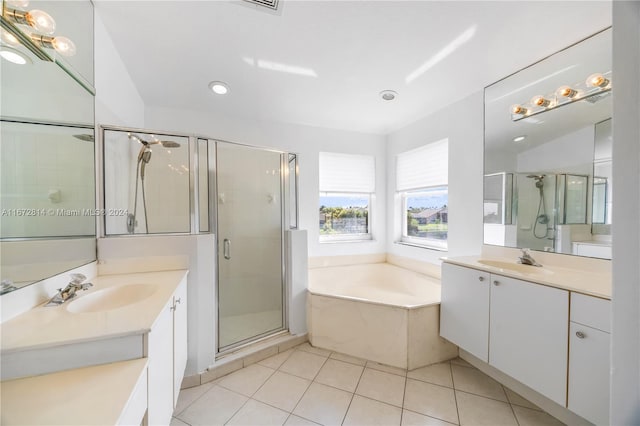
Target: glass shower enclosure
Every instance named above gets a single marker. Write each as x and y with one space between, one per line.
158 183
250 243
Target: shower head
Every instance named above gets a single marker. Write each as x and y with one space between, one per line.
165 144
536 177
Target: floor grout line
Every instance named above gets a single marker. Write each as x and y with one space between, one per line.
455 397
353 394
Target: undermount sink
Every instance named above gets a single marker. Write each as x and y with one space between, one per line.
111 298
516 267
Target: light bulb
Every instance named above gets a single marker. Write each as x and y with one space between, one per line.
8 38
19 4
64 46
41 21
518 110
540 101
566 92
597 80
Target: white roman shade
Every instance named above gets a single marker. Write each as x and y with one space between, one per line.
347 173
423 167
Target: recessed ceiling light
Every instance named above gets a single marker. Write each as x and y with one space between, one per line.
519 138
14 56
388 95
219 87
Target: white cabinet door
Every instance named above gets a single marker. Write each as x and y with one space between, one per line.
528 334
464 309
160 352
179 338
589 373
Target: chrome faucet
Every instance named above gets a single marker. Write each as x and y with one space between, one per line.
69 292
7 286
526 258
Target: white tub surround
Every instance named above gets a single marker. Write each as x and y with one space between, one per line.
114 394
77 339
378 312
521 321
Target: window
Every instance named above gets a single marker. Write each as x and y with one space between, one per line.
421 184
347 184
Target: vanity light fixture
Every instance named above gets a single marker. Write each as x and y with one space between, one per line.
519 138
62 45
540 101
41 27
597 80
14 56
39 20
219 87
388 95
519 110
594 88
566 92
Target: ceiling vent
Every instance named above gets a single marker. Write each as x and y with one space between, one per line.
270 4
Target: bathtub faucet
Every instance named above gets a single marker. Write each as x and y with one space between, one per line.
69 292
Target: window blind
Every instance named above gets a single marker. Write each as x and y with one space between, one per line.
347 173
423 167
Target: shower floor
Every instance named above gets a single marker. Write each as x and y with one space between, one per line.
235 328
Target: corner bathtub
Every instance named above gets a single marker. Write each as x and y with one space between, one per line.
379 312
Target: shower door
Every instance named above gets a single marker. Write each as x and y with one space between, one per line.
250 244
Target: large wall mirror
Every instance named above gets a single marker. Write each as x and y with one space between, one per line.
547 183
47 183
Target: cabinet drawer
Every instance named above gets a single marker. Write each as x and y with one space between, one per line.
591 311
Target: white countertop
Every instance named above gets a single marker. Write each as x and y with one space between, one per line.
44 327
592 283
83 396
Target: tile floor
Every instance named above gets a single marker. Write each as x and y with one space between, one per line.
310 386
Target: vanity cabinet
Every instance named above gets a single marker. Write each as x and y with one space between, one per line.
167 353
589 358
464 309
528 334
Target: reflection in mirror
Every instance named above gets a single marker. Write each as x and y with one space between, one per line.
146 183
48 200
47 191
602 181
203 184
293 191
545 131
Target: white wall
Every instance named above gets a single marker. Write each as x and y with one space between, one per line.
570 153
117 99
625 334
463 124
307 141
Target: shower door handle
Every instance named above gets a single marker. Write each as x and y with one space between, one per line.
226 248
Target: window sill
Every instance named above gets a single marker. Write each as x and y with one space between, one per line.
423 246
338 240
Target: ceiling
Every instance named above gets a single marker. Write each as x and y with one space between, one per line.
323 63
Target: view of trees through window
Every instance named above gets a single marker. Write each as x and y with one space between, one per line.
427 213
344 214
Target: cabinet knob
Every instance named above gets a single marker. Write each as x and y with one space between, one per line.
178 300
480 279
580 335
496 282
